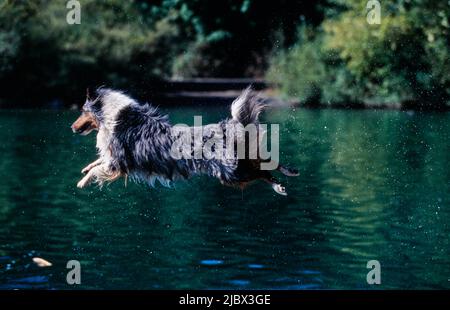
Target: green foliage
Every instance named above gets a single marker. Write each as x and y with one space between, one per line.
327 52
303 59
130 44
404 59
204 58
112 45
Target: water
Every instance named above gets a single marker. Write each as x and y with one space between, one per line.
373 185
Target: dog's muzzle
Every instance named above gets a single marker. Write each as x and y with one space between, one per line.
84 124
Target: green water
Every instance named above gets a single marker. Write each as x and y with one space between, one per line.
374 185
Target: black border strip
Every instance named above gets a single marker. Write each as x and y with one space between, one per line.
172 298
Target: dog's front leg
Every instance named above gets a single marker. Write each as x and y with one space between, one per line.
91 165
101 174
86 180
94 172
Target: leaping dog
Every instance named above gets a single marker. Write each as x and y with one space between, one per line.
135 140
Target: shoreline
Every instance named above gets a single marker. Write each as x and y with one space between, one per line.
225 98
214 92
217 100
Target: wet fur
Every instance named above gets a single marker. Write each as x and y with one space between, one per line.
134 140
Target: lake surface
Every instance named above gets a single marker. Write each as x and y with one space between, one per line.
374 185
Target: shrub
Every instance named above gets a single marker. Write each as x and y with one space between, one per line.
404 59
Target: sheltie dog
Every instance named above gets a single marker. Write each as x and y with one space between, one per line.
135 140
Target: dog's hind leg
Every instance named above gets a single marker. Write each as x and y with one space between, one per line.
276 185
290 172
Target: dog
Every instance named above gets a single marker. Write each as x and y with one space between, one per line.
135 140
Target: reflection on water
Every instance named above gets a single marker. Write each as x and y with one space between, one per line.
373 185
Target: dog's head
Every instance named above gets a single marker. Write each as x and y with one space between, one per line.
103 111
89 119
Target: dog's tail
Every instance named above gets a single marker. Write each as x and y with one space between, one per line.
246 108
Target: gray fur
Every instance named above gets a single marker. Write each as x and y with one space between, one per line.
135 140
247 107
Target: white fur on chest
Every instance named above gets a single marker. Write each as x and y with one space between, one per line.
103 141
113 103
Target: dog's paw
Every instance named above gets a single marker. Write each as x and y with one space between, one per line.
279 189
82 184
85 170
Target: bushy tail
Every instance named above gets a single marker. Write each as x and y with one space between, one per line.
246 108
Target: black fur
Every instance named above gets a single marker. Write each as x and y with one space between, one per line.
139 141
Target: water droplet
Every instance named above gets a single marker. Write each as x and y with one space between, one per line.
255 266
211 262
